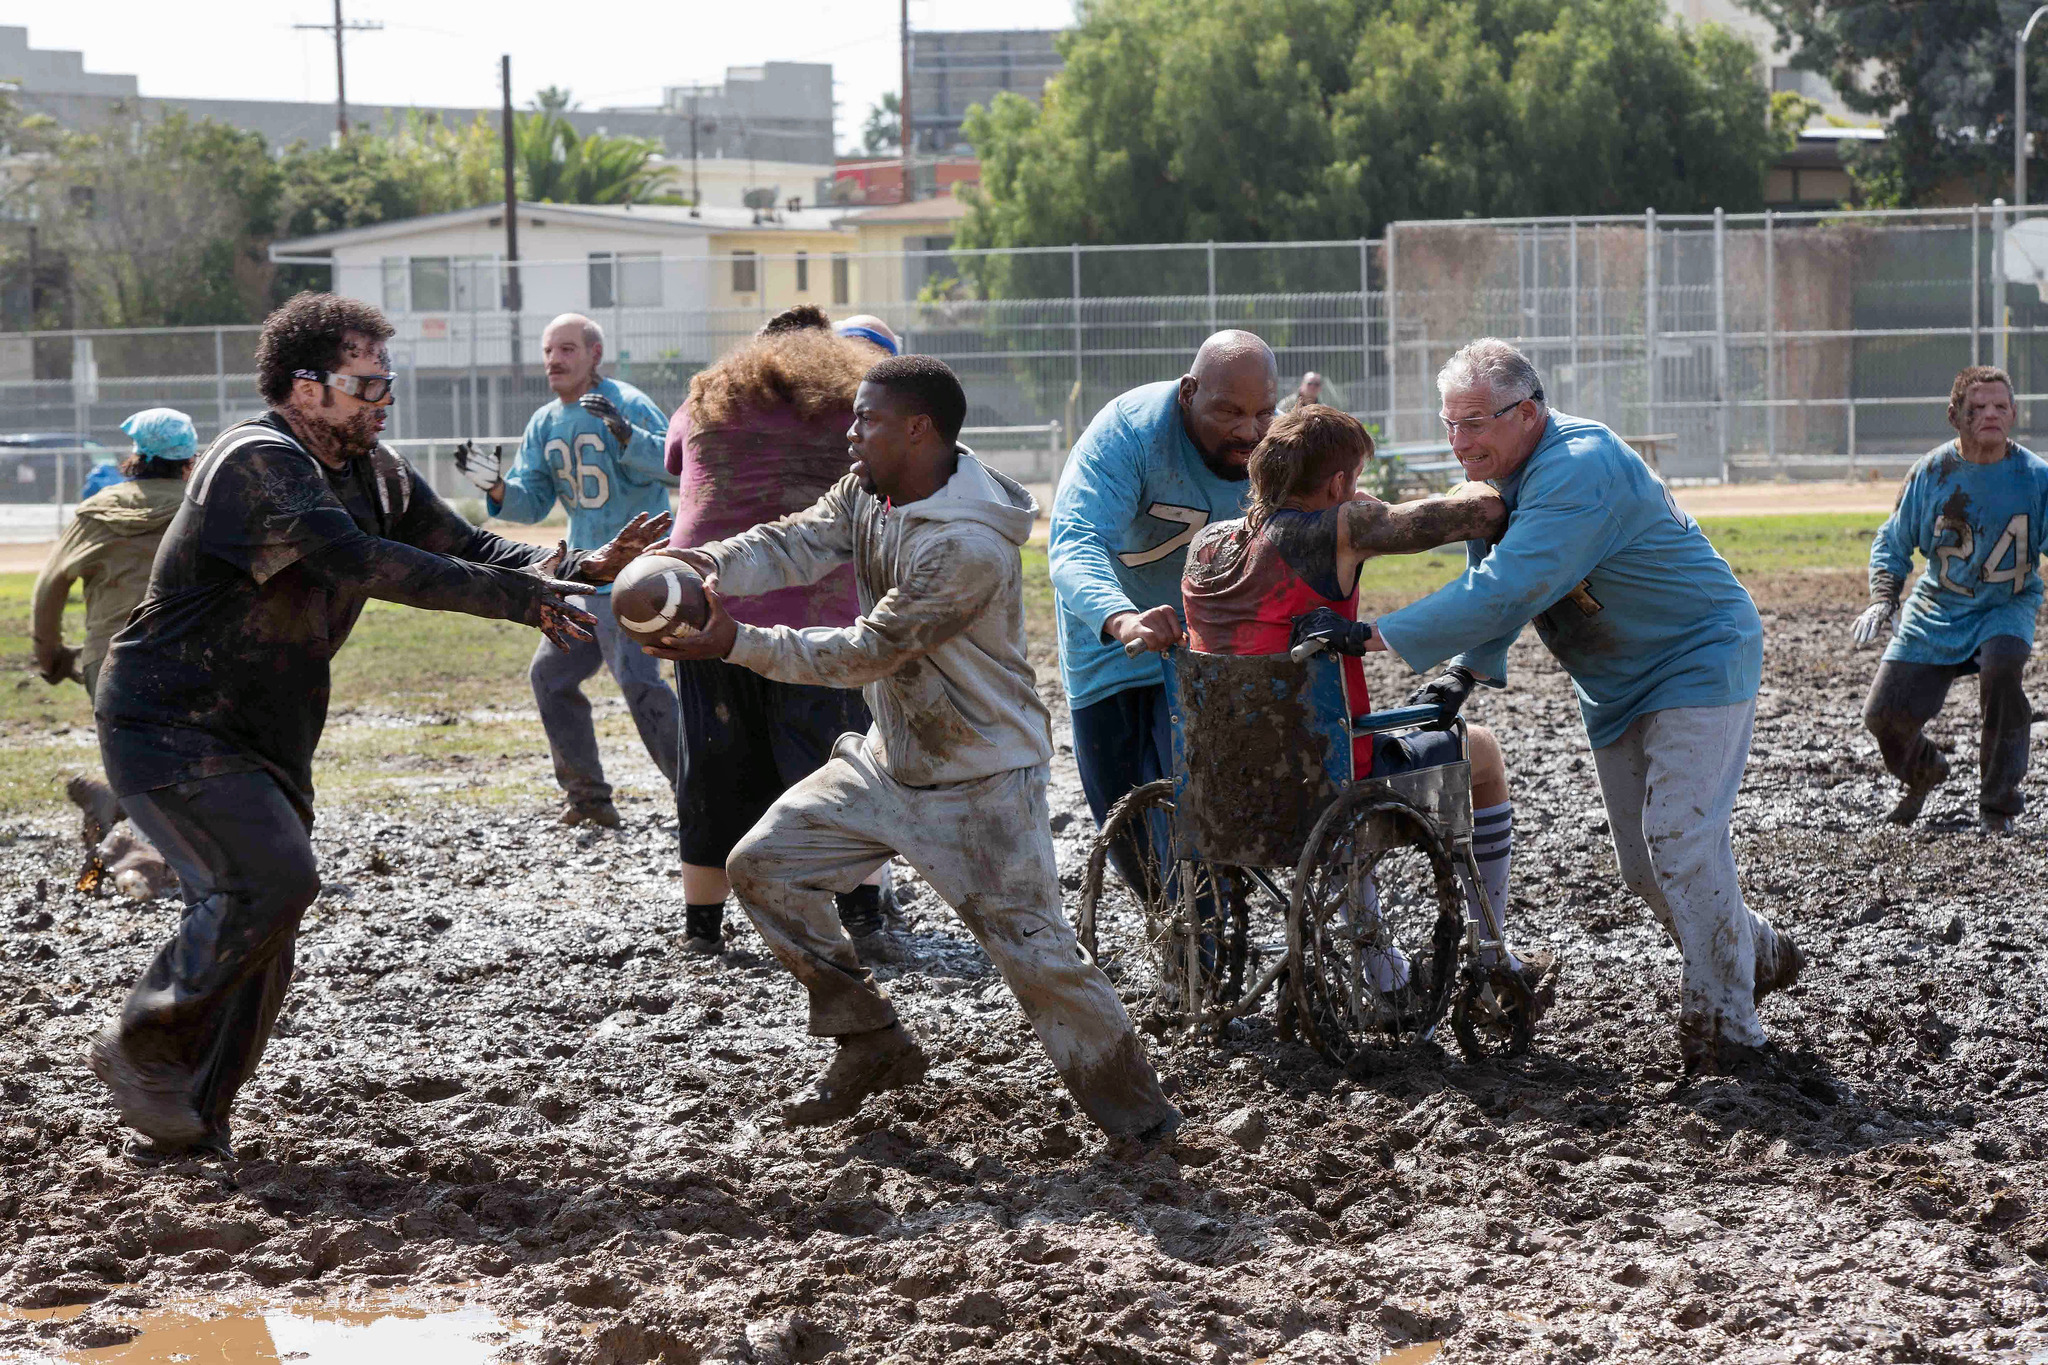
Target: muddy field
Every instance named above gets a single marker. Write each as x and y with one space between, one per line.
500 1078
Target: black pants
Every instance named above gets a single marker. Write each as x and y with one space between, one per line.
205 1007
744 741
1905 696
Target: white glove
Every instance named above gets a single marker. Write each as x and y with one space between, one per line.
485 471
1882 615
1877 619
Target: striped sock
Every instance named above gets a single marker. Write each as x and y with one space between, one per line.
1493 846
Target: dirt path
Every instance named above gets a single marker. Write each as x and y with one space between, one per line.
499 1075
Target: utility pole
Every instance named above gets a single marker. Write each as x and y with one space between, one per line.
338 28
511 224
902 109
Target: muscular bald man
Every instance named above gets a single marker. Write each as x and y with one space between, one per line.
1154 467
598 450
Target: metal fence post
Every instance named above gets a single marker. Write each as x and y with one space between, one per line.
1771 336
1976 282
1650 318
1577 382
1076 250
1391 310
220 382
1852 436
1212 288
1364 323
1724 411
2000 337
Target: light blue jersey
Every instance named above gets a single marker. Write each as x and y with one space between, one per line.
1978 526
1623 586
570 456
1130 500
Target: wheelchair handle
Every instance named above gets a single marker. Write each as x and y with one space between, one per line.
1399 718
1306 650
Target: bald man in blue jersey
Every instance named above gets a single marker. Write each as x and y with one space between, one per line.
1155 466
1665 650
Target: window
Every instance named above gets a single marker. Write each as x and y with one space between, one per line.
625 279
803 272
394 285
745 272
842 280
448 284
430 293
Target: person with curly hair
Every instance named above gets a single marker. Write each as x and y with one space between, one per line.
762 435
214 694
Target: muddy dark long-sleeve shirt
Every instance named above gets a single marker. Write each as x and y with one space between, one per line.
261 576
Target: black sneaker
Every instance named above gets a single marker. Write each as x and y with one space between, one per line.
704 930
860 911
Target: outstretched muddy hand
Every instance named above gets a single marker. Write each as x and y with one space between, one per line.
634 539
561 620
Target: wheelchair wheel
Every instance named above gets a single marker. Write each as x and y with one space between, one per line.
1181 926
1495 1013
1374 927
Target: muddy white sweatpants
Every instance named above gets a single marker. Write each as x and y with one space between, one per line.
1669 783
986 848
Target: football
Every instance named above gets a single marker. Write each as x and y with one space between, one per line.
656 596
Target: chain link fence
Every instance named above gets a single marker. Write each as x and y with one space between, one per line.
1759 345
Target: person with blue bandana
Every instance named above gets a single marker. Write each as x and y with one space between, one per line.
1155 466
1665 651
598 449
1974 508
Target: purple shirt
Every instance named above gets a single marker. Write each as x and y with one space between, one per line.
761 469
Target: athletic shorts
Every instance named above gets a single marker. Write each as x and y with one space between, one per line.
1413 749
746 740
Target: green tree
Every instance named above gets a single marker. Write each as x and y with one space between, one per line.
1940 75
1275 120
883 131
162 222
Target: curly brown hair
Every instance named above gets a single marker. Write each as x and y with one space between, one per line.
809 371
795 320
1971 375
308 333
1302 449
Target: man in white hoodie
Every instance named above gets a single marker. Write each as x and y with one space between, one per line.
952 776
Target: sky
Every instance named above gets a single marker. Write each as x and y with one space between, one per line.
445 52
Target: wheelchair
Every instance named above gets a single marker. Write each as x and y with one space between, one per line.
1262 868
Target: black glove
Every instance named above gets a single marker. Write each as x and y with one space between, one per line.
1446 693
1332 631
601 407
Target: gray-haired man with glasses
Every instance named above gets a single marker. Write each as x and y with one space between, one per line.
1664 647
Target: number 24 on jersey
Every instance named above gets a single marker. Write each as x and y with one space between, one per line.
2010 560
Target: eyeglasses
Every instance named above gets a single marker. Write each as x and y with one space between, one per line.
371 388
1474 425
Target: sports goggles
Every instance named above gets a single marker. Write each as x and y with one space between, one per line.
371 388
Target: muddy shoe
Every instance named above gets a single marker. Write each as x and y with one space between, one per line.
156 1105
1784 972
1539 977
1996 822
704 930
1908 809
148 1152
601 813
866 1064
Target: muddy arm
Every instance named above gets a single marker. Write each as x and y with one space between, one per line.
799 549
1472 512
431 524
53 588
953 581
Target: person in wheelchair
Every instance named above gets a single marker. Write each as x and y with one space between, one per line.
1287 571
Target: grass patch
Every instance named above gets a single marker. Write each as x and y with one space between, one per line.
427 703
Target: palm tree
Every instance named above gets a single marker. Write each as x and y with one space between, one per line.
555 166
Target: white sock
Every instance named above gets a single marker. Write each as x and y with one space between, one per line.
1386 968
1493 846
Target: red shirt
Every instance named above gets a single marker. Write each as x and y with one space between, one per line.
1241 593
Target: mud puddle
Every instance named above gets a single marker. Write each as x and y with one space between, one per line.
201 1332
